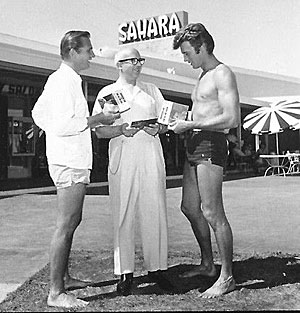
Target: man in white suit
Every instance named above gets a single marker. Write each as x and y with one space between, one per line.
136 174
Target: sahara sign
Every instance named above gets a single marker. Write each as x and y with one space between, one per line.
152 27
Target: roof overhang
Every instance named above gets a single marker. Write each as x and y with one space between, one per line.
174 77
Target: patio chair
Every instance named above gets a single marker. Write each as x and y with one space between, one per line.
294 163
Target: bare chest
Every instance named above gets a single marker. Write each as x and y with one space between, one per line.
205 97
205 89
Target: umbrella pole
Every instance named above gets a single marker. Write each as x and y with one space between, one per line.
257 142
277 144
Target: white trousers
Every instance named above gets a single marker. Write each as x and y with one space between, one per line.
137 187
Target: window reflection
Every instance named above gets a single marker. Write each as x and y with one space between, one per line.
21 136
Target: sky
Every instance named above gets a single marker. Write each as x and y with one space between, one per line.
261 35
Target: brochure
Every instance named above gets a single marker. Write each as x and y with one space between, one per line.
172 110
142 123
118 99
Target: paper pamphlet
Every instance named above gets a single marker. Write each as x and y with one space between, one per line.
142 123
172 110
118 98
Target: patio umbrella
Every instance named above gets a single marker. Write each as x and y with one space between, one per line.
274 118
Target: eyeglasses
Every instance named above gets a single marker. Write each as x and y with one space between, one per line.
134 61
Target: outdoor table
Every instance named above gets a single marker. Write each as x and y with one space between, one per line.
276 162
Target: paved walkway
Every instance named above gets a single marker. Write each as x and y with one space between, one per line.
264 213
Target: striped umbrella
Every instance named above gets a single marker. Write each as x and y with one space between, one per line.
274 118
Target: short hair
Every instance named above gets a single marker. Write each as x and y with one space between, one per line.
72 40
196 34
125 53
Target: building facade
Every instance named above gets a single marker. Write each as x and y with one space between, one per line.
25 66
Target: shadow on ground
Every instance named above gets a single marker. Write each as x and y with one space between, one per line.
263 282
252 273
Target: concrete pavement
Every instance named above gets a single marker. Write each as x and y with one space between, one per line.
264 213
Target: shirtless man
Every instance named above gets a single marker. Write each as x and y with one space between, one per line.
215 110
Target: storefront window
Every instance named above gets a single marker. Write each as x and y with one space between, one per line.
19 91
21 136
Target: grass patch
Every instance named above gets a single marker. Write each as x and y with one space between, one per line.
269 281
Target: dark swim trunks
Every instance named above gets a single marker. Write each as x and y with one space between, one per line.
211 146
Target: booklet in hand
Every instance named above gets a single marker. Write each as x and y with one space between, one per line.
172 110
118 99
142 123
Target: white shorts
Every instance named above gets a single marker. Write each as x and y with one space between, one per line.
64 176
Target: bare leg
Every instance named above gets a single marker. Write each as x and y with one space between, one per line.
210 178
74 283
191 208
70 203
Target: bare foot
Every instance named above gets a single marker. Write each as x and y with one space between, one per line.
220 287
72 283
67 301
200 270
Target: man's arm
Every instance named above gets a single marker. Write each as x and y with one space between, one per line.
108 131
56 110
115 131
107 118
228 98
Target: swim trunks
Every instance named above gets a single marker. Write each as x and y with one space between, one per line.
64 176
211 146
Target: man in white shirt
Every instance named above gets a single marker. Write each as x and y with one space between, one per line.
136 174
62 112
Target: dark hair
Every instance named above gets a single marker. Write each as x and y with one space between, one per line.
196 34
72 40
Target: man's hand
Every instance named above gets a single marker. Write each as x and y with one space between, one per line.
107 118
108 107
152 129
110 112
128 131
179 126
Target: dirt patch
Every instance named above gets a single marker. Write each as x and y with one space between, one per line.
269 281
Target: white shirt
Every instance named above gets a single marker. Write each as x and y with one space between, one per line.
62 111
145 100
